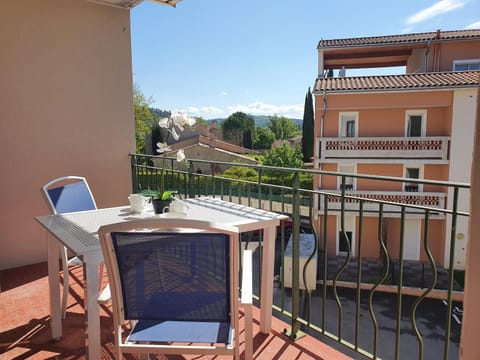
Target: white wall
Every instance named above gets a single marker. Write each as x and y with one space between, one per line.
461 150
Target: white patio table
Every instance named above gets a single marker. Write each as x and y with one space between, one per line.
78 232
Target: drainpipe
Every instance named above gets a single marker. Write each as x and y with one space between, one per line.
429 43
322 125
426 54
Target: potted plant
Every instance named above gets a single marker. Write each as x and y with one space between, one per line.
160 199
174 125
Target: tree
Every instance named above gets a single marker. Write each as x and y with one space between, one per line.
235 128
144 118
307 128
283 156
283 128
263 138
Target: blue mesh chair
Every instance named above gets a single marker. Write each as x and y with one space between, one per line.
178 288
63 195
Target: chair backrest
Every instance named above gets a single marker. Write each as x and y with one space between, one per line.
187 274
174 276
72 194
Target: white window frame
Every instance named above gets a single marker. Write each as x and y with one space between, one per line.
423 114
420 174
343 168
466 62
343 118
350 225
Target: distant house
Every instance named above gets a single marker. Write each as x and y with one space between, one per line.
295 141
202 144
417 125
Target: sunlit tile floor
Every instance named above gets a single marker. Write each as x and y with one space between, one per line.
25 328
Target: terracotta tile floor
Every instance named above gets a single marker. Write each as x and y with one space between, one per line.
25 328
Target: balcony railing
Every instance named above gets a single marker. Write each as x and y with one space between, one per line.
346 306
391 199
433 148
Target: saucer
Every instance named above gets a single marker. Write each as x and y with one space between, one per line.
173 215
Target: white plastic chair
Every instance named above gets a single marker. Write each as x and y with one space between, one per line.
63 195
177 281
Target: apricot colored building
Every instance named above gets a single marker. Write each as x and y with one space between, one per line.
416 125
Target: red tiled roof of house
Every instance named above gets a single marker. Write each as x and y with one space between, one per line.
417 81
434 36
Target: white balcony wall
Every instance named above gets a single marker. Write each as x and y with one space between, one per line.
431 149
463 129
430 199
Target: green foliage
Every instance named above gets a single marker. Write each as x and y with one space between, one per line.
283 156
200 120
307 128
158 194
263 138
237 128
144 119
283 128
241 172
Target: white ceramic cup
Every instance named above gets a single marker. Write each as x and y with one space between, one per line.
177 207
137 202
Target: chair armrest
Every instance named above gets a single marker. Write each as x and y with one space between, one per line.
104 296
246 295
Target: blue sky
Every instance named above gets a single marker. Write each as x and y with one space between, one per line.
211 58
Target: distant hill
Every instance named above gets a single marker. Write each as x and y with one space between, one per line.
261 120
160 113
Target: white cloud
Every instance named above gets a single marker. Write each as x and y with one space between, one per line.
436 9
260 108
207 112
475 25
255 108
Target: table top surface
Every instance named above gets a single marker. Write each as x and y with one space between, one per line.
78 231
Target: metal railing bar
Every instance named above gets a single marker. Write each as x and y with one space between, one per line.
323 172
453 231
400 284
386 264
430 288
359 276
345 263
325 264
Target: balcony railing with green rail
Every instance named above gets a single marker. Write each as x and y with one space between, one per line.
313 309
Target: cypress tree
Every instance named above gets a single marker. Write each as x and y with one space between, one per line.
307 128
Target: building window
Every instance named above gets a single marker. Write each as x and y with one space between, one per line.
412 173
466 65
415 124
346 235
348 124
349 181
343 237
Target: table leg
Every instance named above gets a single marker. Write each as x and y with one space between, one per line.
54 286
268 261
92 313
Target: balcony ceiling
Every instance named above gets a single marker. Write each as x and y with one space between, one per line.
380 51
128 4
367 57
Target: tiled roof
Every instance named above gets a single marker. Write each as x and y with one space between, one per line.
400 39
418 81
127 4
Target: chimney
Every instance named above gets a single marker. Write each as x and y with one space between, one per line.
213 134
